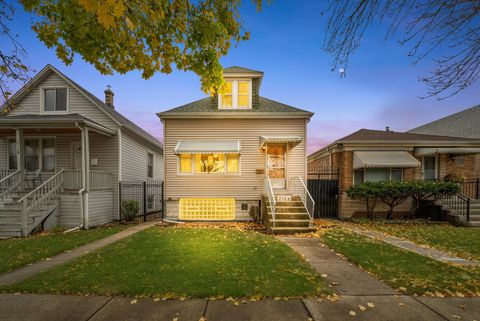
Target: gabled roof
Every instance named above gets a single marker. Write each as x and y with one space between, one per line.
388 135
111 112
465 123
204 107
240 70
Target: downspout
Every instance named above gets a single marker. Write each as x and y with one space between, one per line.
83 189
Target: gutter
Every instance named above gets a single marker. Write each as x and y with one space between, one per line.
81 192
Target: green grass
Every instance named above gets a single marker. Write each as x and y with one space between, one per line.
410 272
18 252
460 241
189 262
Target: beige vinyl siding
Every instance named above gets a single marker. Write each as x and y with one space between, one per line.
105 150
3 152
100 204
63 150
134 158
77 103
69 213
248 185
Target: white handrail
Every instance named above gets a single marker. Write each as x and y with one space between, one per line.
40 195
271 198
305 196
6 186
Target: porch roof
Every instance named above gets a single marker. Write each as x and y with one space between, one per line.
51 121
382 159
280 139
447 150
206 147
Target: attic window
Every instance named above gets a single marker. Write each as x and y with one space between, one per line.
55 99
237 95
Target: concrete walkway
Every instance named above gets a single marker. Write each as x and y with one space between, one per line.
28 271
40 307
413 247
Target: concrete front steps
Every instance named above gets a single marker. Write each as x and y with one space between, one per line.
457 219
11 220
291 216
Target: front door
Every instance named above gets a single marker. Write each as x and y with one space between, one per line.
277 164
77 156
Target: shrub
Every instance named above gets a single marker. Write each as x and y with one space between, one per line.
129 209
394 193
454 178
368 192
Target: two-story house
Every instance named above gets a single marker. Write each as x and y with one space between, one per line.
224 153
63 153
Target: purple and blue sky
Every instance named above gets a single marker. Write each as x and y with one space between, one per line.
380 89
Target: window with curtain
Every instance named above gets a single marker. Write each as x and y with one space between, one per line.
429 167
215 163
32 154
48 155
377 175
12 154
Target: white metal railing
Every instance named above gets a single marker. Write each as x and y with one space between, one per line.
5 172
297 185
72 179
271 198
101 180
10 182
40 196
98 180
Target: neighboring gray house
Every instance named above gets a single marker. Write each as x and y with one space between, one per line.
63 152
465 124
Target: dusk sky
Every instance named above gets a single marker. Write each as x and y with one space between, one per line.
380 89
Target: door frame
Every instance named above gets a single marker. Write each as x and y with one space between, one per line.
72 154
267 172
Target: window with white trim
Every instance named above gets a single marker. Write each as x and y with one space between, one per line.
54 99
214 163
377 175
429 167
237 94
38 154
149 165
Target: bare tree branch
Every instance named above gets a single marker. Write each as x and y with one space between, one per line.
445 31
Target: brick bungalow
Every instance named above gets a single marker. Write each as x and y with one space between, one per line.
376 155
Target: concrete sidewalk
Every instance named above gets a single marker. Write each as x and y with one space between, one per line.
32 307
25 272
413 247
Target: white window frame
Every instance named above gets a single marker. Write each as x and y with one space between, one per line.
42 100
153 164
436 165
365 174
224 173
235 95
40 150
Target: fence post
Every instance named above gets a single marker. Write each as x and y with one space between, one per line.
468 209
144 201
163 199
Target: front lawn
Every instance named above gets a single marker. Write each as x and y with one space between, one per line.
185 262
18 252
403 270
460 241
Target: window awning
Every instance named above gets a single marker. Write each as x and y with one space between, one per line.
447 150
382 159
294 140
207 147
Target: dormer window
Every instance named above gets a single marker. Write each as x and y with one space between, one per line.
55 99
237 94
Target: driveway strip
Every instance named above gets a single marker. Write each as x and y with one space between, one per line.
28 271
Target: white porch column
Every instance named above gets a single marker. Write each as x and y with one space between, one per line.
20 153
86 167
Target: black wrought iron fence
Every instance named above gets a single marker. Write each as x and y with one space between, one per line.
460 203
471 188
140 199
323 185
